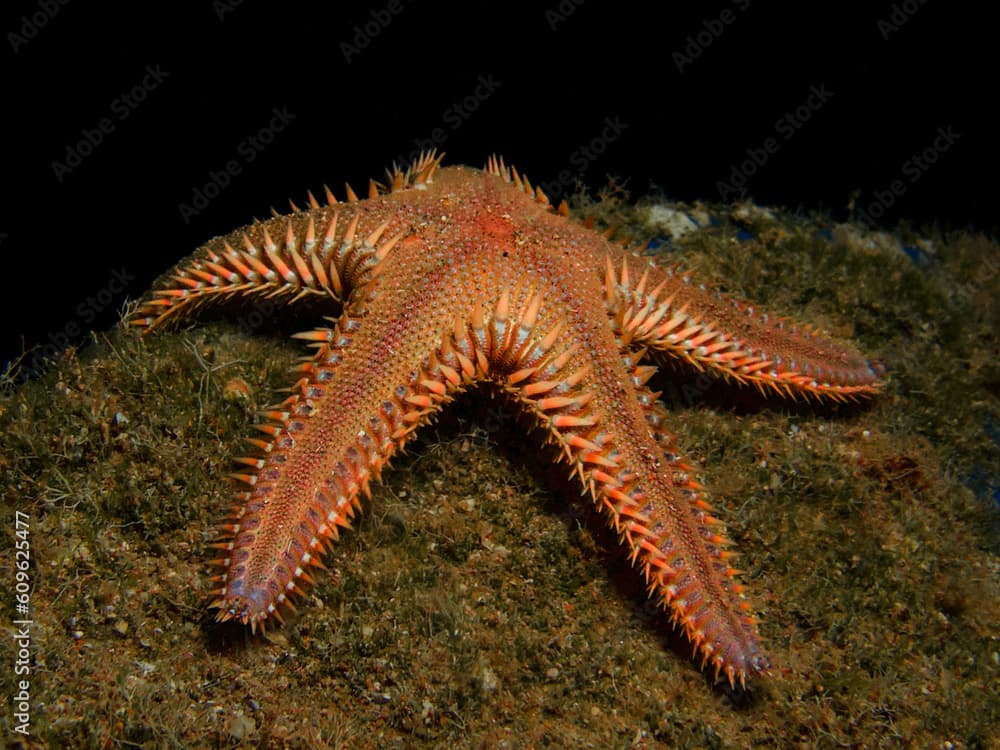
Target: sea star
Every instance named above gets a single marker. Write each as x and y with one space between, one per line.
448 277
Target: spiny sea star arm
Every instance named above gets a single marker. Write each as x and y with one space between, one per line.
710 528
317 254
666 311
616 446
324 445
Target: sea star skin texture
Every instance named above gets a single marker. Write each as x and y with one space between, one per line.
450 277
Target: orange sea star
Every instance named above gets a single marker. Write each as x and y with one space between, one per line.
449 277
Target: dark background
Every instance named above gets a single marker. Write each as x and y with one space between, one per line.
369 83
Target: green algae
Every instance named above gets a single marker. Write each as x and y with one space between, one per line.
481 602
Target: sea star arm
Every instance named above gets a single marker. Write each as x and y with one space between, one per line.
317 254
637 479
666 311
326 442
